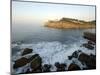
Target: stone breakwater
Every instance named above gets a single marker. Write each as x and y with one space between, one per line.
31 62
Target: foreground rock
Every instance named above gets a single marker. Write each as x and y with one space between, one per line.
73 67
46 68
90 61
89 46
91 43
90 36
36 64
27 51
74 55
20 62
33 57
60 67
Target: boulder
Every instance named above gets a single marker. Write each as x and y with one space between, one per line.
90 36
20 62
39 70
36 63
88 46
90 61
46 68
26 51
75 54
70 57
73 67
33 56
60 67
91 43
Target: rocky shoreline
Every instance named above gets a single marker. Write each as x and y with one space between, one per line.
33 62
68 23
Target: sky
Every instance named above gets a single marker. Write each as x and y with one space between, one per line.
32 12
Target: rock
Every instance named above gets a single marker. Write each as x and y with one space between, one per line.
90 36
73 67
70 57
20 62
26 51
90 61
46 68
75 54
39 70
91 43
27 72
93 56
36 63
57 64
60 67
88 46
33 56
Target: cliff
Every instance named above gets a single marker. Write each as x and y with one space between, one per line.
70 24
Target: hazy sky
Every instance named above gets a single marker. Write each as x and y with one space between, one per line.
30 12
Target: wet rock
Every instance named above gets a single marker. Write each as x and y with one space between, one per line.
90 61
75 54
70 57
93 56
26 51
28 71
33 56
90 36
88 46
46 68
39 70
20 62
60 67
91 43
73 67
36 63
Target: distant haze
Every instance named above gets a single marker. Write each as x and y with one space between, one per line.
29 12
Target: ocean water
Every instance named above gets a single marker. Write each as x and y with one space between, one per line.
53 45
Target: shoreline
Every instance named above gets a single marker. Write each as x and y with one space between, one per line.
68 23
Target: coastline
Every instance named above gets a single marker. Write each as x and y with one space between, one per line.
67 23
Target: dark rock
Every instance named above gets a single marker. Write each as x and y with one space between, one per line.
73 67
20 62
28 71
60 67
90 36
88 46
57 64
85 69
39 70
91 43
33 56
75 54
27 51
79 51
88 60
36 63
46 68
93 56
69 57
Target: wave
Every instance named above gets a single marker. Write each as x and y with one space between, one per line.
52 52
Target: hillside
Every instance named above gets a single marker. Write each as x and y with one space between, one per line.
70 23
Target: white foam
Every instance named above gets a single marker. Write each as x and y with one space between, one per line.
52 52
